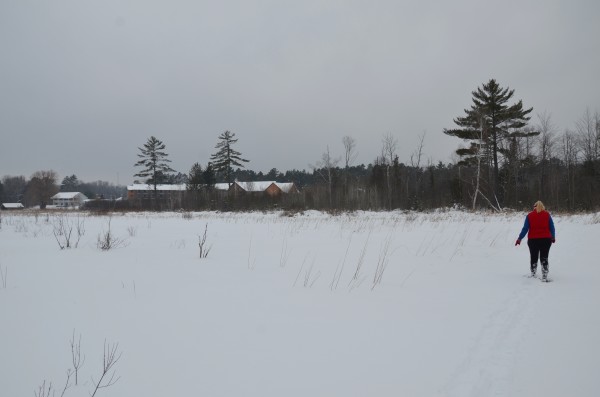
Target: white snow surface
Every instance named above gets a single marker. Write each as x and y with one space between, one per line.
275 310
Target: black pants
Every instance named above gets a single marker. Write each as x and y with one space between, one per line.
539 247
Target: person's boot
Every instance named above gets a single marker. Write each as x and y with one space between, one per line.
545 269
533 269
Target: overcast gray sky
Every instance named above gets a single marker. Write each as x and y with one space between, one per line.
84 83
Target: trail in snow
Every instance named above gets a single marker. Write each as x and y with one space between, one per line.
487 367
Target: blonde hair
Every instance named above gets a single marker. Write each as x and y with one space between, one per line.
539 206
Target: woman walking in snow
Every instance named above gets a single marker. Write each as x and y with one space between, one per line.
541 235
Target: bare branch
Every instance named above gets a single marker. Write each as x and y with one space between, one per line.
111 357
67 385
76 355
415 157
202 242
350 152
388 149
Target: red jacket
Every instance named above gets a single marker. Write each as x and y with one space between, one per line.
539 225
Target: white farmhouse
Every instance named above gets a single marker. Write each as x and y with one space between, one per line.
68 199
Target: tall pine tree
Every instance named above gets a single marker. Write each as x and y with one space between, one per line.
154 162
487 125
226 157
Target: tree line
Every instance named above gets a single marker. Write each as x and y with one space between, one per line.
506 161
42 185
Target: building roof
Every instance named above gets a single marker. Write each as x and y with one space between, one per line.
142 186
177 187
259 186
12 205
285 187
67 195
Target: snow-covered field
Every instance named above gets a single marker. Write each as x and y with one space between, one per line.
367 304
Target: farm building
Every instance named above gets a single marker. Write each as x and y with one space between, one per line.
11 206
68 199
144 191
175 196
271 188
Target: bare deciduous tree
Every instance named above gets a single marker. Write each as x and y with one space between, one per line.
41 187
350 155
389 145
588 135
415 162
325 168
569 157
388 154
546 141
350 152
479 156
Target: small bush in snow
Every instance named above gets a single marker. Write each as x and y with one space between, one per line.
62 227
132 231
108 376
107 240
